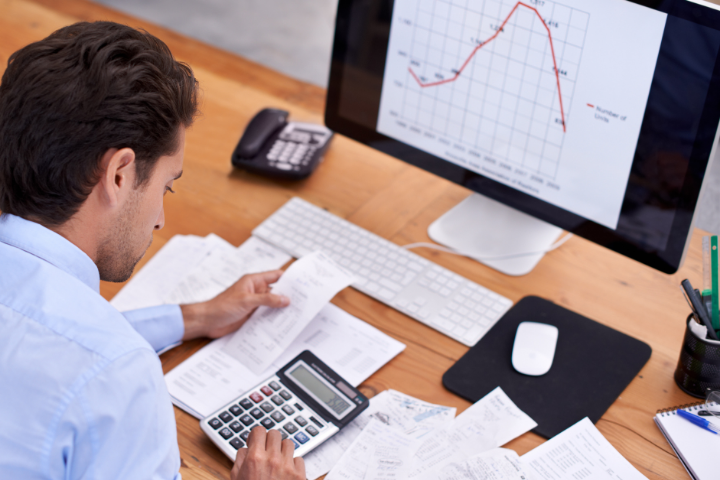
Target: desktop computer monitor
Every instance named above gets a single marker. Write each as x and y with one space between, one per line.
598 117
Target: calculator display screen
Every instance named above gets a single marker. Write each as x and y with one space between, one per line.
337 403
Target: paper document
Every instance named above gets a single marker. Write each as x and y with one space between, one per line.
398 411
491 422
380 452
579 452
310 283
211 378
495 464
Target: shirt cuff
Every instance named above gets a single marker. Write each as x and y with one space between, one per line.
161 326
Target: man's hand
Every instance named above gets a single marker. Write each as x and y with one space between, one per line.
267 458
229 310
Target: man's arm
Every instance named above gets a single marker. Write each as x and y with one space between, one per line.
166 325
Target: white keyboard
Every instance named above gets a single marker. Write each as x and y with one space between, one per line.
433 295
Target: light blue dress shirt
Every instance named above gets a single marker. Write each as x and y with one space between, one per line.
82 394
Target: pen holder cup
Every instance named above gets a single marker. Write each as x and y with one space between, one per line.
698 367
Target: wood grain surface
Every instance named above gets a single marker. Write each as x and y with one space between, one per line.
398 202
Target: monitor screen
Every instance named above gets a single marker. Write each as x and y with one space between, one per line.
598 116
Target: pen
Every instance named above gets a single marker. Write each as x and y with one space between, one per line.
708 413
700 422
698 307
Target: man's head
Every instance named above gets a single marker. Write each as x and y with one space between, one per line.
92 124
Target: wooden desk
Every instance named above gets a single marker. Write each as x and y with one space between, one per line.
380 193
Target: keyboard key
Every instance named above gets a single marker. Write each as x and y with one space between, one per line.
267 407
312 430
277 400
235 426
299 407
317 422
244 435
267 423
226 433
215 423
257 413
290 428
288 409
277 416
225 417
285 395
275 386
237 443
302 438
266 390
246 404
236 410
301 421
246 419
256 397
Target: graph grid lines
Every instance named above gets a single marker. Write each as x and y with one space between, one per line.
496 76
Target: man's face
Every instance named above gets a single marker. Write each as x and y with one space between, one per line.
131 235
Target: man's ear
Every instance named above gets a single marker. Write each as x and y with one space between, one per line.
118 175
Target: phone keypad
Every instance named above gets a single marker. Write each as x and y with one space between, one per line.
269 406
290 155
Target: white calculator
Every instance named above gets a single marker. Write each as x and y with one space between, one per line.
305 400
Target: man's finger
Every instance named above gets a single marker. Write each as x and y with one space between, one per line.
269 300
265 278
240 457
287 448
300 466
272 442
257 438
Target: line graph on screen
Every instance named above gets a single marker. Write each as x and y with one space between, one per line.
495 76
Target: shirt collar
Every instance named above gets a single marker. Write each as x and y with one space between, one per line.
49 246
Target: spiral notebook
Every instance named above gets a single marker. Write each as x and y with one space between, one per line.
696 447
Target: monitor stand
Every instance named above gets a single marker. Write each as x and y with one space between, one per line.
483 229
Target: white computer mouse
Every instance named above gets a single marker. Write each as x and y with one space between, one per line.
534 348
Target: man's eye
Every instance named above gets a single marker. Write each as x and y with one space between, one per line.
168 189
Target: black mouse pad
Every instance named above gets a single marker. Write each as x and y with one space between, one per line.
592 366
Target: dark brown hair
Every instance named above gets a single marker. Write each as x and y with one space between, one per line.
67 99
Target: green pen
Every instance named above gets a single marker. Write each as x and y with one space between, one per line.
715 314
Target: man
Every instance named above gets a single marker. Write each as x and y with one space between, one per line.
92 133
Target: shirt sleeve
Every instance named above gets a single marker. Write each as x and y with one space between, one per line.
161 326
119 424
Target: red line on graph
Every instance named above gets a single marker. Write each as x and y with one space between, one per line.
591 105
459 71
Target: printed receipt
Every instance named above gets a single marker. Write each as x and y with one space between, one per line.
310 283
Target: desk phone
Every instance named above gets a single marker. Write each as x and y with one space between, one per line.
305 400
273 146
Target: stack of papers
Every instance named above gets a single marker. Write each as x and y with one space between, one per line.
400 437
193 269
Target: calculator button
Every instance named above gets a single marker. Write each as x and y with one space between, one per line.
256 412
285 395
244 435
267 390
317 422
226 433
275 386
235 426
297 445
277 400
237 443
236 410
302 438
256 397
312 430
267 407
299 407
246 419
300 421
277 416
246 404
290 428
267 423
225 417
215 423
288 409
284 435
